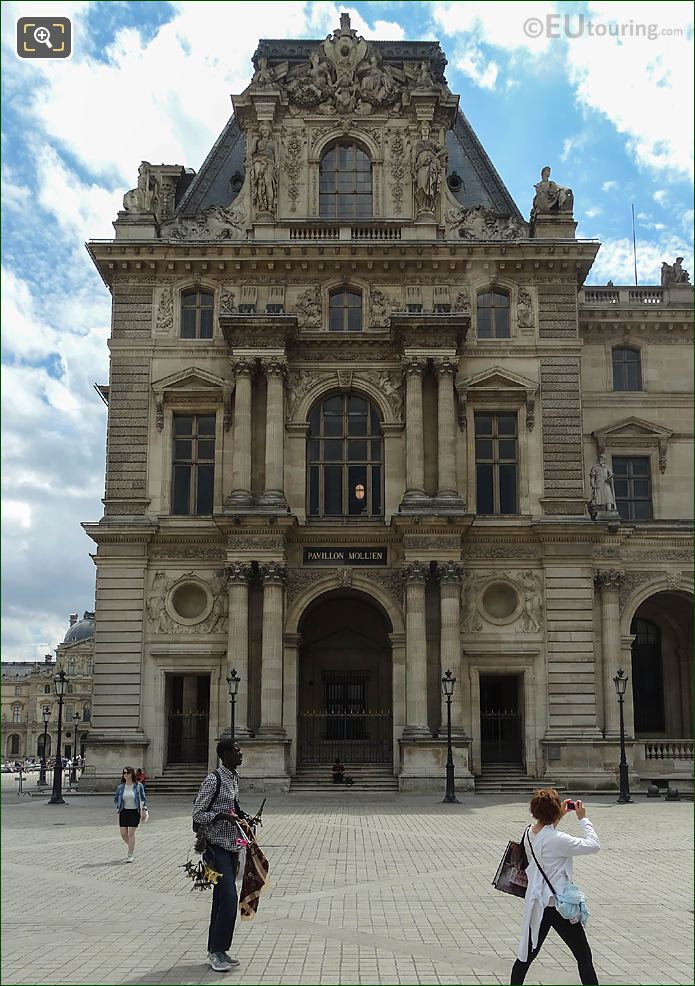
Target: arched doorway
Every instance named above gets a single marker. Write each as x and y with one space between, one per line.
345 682
14 744
662 666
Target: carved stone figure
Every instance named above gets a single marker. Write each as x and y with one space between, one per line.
674 273
263 76
379 308
308 309
462 305
165 311
479 223
524 310
424 78
263 171
215 621
215 223
532 613
227 300
551 199
142 198
157 614
601 480
428 165
470 617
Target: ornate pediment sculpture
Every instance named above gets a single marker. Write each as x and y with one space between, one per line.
479 223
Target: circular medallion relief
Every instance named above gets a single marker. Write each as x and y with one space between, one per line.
190 603
500 602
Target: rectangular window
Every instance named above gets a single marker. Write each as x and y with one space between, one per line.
193 464
633 487
496 463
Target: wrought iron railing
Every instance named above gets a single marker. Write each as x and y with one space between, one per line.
355 737
188 737
500 733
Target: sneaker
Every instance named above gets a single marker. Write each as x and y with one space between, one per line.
220 962
129 858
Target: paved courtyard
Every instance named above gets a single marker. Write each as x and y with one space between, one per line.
382 890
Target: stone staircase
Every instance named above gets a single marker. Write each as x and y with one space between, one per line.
317 779
183 778
508 778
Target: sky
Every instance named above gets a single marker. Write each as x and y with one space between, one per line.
603 92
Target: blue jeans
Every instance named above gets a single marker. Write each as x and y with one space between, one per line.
224 898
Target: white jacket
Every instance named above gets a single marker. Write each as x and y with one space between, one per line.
554 851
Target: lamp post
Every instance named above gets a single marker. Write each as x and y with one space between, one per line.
233 682
61 684
448 682
46 713
73 772
620 682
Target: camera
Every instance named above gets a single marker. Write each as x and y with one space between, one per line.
571 806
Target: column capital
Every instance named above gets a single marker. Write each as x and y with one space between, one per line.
415 572
445 366
274 366
272 573
609 580
414 365
237 574
242 366
449 572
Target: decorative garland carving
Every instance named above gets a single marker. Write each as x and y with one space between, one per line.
200 551
159 617
398 170
227 300
293 167
164 322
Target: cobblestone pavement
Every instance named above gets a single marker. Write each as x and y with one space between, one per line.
364 890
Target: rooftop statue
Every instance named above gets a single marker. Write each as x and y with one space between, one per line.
428 164
263 171
142 198
674 273
551 199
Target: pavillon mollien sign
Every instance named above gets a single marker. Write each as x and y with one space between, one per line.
345 556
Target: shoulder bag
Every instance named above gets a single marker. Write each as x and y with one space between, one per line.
511 877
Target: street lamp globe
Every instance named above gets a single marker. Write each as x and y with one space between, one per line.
448 682
233 682
60 683
620 682
46 713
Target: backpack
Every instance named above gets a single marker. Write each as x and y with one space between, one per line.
196 825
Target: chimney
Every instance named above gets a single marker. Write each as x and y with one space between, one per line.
48 658
73 619
88 615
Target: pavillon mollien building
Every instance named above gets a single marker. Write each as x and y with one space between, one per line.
366 425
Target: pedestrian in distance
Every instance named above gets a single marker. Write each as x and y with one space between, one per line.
338 771
217 815
550 855
140 775
131 805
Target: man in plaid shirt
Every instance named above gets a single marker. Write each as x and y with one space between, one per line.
222 821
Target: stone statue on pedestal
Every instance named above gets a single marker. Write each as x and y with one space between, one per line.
674 273
263 171
550 198
602 499
429 162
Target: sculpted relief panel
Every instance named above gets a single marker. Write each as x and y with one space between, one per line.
513 600
187 603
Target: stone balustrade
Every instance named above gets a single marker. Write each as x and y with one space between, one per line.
676 749
623 296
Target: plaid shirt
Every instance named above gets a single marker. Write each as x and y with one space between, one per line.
222 832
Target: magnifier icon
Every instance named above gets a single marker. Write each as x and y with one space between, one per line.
43 36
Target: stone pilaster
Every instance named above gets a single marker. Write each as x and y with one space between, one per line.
415 447
446 428
241 463
449 574
608 583
275 371
414 577
273 575
237 577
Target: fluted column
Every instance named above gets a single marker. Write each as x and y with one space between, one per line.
449 575
273 576
446 428
275 370
237 576
241 463
414 438
415 577
609 583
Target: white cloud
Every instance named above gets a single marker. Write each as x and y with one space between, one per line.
593 211
615 260
475 67
609 186
16 512
500 24
660 196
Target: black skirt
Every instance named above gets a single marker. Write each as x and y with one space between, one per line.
129 818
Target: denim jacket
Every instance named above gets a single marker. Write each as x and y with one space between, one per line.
140 798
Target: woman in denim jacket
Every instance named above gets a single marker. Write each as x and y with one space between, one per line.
131 805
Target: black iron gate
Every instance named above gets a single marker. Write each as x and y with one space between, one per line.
355 737
500 735
188 737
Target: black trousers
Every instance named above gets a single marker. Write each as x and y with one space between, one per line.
573 935
224 898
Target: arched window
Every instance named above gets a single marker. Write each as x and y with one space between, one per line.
87 713
345 183
14 744
627 368
345 310
16 713
344 458
47 689
647 677
493 314
196 314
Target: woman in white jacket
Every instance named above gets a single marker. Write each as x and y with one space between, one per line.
554 851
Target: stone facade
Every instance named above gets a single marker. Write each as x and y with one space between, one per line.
341 592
